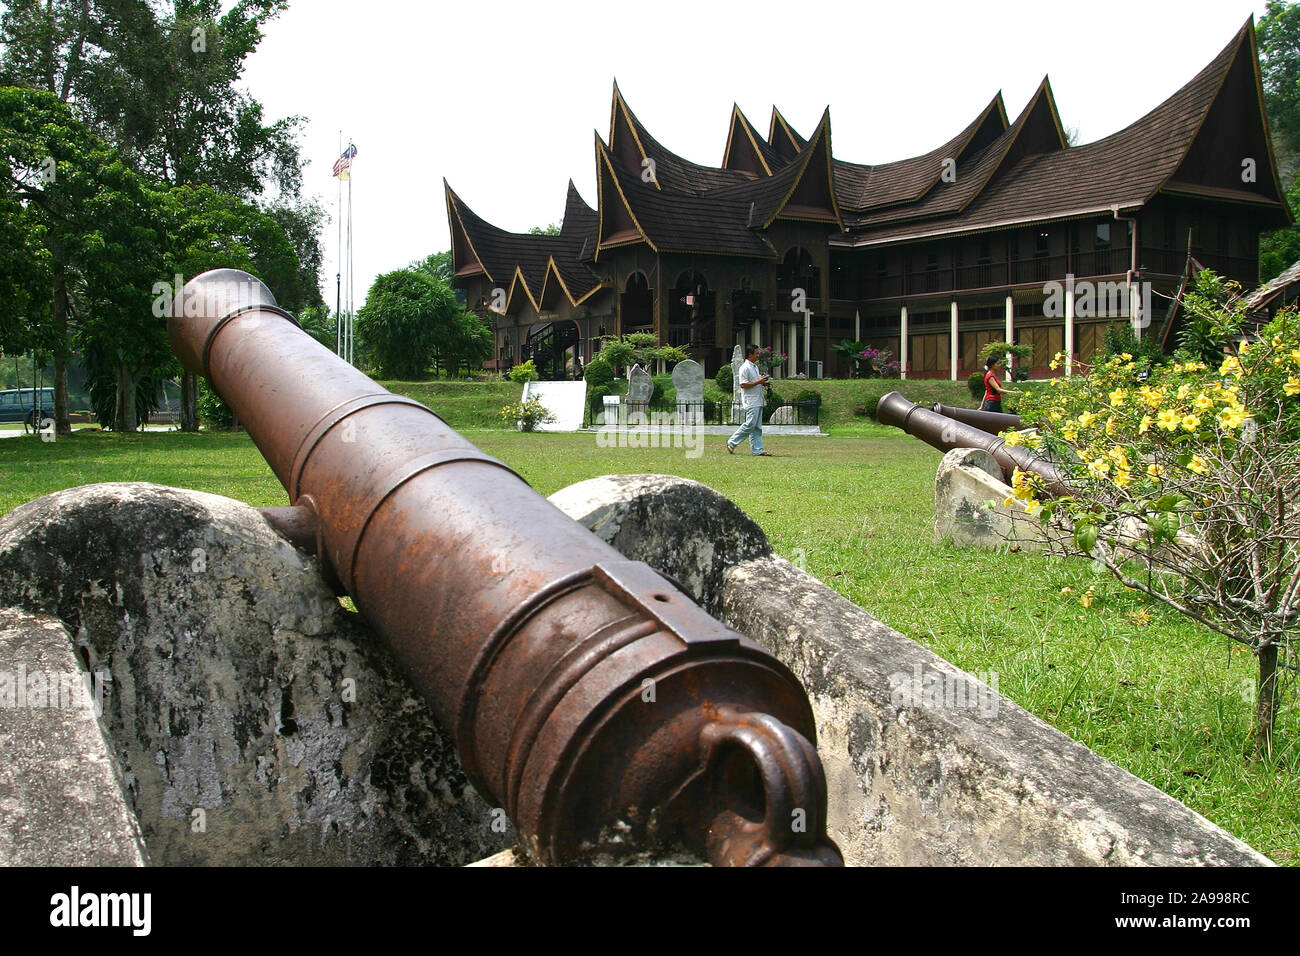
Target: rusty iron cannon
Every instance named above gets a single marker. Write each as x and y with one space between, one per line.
991 422
946 434
598 705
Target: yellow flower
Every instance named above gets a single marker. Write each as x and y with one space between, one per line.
1068 433
1230 366
1086 600
1086 420
1152 396
1191 422
1169 420
1012 438
1123 478
1155 470
1202 402
1232 417
1145 424
1099 468
1141 618
1117 455
1292 386
1009 502
1117 397
1295 356
1198 465
1067 590
1125 356
1184 390
1112 426
1054 415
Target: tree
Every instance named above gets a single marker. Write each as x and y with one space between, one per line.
466 341
437 265
321 324
405 315
552 230
1278 38
161 87
1184 483
1278 35
93 234
638 348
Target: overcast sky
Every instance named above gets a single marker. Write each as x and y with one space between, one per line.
502 98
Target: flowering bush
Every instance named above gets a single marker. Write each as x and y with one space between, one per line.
527 414
1185 483
770 359
878 363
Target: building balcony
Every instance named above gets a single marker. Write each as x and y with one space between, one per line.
1042 269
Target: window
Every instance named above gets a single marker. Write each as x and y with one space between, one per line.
1103 234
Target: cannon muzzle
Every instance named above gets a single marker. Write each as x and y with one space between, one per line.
588 697
946 434
991 422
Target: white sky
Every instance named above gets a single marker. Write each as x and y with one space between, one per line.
502 98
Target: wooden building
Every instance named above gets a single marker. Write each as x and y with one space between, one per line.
1002 232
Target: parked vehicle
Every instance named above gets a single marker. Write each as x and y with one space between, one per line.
26 405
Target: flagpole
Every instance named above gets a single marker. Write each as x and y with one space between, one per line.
351 286
338 262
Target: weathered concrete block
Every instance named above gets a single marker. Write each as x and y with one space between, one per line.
643 516
254 719
61 798
968 505
925 764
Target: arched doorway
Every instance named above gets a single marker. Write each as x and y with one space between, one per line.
691 312
637 304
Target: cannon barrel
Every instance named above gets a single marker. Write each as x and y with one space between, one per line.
601 708
991 422
946 434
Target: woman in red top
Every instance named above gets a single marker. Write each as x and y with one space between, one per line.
993 387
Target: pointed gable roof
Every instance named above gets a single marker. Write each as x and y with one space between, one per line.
632 211
860 187
1125 169
671 171
803 190
782 137
746 151
519 262
1037 129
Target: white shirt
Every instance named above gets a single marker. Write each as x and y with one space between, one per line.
751 396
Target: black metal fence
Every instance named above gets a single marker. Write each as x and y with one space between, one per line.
701 413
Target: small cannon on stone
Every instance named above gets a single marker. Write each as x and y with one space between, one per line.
589 697
946 433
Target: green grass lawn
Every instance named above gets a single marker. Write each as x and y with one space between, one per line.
1163 699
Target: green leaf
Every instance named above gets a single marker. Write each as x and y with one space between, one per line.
1085 537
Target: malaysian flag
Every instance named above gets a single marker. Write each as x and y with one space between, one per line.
344 162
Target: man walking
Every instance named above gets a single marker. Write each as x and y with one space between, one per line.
751 382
